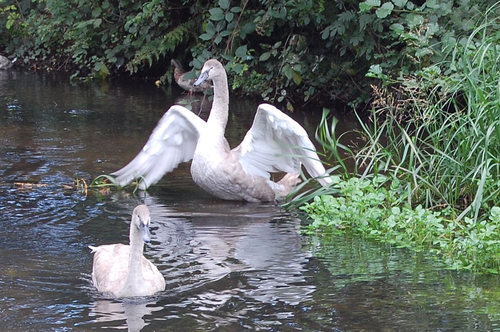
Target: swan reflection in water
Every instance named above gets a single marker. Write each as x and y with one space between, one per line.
130 312
209 257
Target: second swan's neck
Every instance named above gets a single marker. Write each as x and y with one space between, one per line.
135 278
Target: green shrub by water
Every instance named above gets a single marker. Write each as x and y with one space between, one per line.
440 134
435 140
375 209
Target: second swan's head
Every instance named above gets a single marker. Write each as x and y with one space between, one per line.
211 69
141 219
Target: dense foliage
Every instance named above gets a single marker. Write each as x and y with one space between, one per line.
285 50
375 209
434 140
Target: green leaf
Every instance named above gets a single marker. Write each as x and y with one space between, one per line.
236 9
238 68
229 17
96 11
397 27
97 22
216 14
210 28
241 52
400 3
288 71
282 13
224 4
206 36
385 10
368 5
248 28
265 56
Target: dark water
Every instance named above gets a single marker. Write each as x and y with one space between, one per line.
228 266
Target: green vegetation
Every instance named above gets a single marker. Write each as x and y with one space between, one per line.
374 209
285 50
429 173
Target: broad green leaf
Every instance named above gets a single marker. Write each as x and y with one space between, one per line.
265 56
282 13
96 11
236 9
229 17
432 4
326 33
224 4
241 51
364 7
385 10
399 3
210 28
238 68
216 14
368 5
397 27
288 71
206 36
248 28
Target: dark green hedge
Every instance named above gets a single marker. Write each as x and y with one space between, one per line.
284 50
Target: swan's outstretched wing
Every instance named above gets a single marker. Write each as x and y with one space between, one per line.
173 141
276 142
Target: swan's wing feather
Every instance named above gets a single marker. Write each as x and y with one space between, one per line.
276 142
110 264
172 141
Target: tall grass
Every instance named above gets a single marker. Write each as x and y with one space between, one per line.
441 137
428 177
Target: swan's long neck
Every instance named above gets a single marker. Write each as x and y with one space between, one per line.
135 278
220 106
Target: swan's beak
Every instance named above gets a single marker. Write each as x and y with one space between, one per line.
146 235
203 77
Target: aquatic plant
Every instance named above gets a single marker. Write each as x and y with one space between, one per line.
376 209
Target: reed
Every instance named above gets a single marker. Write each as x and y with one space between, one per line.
434 139
446 147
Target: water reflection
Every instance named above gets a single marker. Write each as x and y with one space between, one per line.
129 312
229 266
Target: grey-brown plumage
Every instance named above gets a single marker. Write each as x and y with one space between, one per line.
5 63
122 270
186 79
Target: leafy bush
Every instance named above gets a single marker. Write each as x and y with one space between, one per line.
376 209
285 50
98 37
434 143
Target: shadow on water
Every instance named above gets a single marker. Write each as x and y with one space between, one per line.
229 266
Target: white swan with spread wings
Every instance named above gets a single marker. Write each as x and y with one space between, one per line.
274 143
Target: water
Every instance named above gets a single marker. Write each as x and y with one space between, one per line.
229 266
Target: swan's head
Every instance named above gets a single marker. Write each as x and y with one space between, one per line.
211 69
141 219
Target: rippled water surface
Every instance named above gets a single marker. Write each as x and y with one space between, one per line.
228 266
